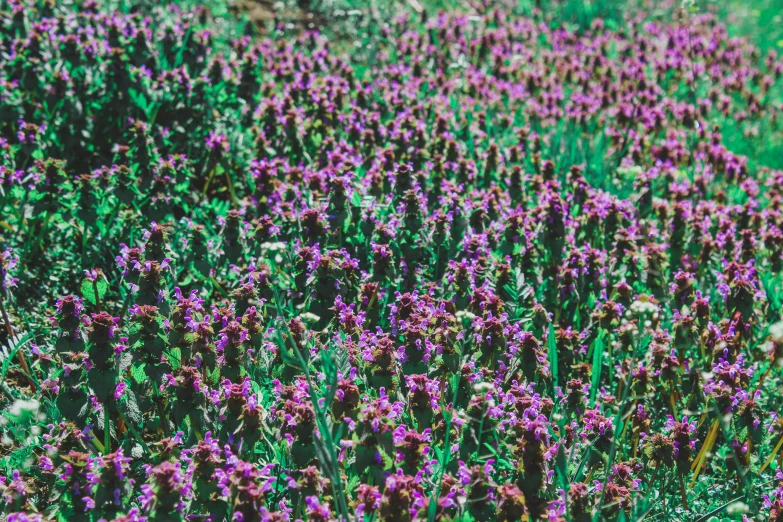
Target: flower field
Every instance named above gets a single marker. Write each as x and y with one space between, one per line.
465 262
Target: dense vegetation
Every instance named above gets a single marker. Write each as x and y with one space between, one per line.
489 263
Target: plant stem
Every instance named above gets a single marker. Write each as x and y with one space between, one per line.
772 455
106 431
701 458
682 492
97 297
19 352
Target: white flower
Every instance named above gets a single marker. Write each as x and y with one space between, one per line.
20 406
776 332
309 317
483 387
643 307
464 314
274 247
738 508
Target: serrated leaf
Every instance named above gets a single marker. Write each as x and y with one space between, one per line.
88 290
138 374
72 406
137 451
130 409
173 357
157 372
126 358
103 384
138 98
388 462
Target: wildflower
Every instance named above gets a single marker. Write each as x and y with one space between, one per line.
7 264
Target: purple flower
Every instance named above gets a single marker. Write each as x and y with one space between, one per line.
89 503
119 391
218 142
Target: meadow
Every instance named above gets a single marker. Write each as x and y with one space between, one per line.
379 261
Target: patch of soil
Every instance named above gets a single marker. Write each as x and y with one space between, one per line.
16 380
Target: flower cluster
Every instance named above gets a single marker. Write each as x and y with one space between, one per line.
510 269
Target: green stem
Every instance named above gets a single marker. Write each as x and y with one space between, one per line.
135 433
433 507
106 430
97 296
330 462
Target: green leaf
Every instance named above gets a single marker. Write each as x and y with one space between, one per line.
552 355
102 383
138 373
388 462
157 372
137 451
561 467
88 290
73 406
126 359
138 99
598 354
130 408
